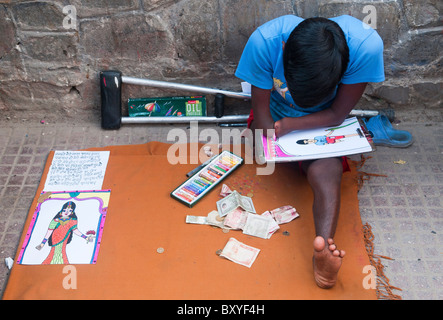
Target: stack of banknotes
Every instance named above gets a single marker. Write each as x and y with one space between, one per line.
237 212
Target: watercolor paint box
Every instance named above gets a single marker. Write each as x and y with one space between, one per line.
189 106
207 178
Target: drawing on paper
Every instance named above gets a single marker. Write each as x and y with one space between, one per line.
66 228
344 139
322 140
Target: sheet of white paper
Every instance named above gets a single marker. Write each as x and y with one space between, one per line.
88 217
77 170
346 139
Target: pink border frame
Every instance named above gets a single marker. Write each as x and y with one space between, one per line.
103 212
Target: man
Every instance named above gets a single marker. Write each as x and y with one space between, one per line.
306 74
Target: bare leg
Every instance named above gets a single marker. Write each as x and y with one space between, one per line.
324 176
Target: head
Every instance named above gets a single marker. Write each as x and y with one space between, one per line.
68 210
315 57
305 141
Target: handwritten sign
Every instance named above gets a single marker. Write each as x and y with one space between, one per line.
77 170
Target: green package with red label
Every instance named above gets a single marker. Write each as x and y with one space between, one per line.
190 106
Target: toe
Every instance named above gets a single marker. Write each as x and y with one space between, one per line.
319 243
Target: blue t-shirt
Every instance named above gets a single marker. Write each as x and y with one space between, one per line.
261 63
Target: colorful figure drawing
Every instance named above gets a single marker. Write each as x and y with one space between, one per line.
59 234
322 140
66 228
328 139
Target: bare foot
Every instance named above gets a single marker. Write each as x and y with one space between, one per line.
327 261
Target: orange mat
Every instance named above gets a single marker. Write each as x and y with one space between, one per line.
143 217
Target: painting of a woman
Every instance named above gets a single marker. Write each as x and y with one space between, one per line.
322 140
59 234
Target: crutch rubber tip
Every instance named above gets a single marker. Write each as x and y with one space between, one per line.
110 91
388 112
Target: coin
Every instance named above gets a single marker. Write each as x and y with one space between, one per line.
250 194
225 230
160 250
286 233
219 219
218 252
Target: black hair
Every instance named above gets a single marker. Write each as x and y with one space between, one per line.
303 141
315 58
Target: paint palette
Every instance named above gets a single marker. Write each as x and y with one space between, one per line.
207 178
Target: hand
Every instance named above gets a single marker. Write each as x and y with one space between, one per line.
281 127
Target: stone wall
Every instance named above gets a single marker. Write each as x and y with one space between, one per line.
52 51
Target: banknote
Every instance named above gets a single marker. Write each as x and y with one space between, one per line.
257 225
225 191
232 202
284 214
273 225
239 252
246 203
236 219
196 219
212 219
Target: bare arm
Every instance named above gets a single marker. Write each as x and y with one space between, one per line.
80 234
260 99
346 98
47 235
